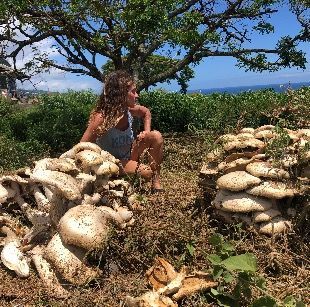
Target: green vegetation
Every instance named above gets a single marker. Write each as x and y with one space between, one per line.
58 122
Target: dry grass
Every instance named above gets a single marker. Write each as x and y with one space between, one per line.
171 220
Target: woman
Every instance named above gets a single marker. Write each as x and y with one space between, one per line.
110 126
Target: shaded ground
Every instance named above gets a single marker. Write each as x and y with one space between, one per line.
170 222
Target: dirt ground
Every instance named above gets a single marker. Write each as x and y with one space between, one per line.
171 220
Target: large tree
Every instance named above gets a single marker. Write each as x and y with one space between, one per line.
129 33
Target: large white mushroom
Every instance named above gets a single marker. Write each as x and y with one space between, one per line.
237 181
11 256
240 202
69 261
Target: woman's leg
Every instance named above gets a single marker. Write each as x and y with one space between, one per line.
153 143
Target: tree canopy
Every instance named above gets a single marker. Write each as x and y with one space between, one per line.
135 34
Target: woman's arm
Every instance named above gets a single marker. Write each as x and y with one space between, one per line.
91 133
142 112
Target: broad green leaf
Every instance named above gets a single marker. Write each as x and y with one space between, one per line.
214 259
244 262
265 301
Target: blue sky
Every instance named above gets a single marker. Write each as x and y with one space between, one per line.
213 72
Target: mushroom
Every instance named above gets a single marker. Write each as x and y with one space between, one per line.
247 130
266 216
264 169
240 202
85 226
88 158
106 168
66 184
275 226
150 299
252 143
69 261
265 134
11 255
265 127
272 189
237 181
47 274
79 147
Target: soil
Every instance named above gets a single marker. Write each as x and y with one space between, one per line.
174 224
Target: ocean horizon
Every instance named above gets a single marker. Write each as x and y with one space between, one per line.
279 88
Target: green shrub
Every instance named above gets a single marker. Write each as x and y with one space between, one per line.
58 121
16 154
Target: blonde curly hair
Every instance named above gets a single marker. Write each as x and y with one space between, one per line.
112 102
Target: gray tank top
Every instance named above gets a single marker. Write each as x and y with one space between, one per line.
118 142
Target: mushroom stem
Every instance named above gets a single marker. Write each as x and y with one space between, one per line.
47 275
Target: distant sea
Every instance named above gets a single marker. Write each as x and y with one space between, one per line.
279 88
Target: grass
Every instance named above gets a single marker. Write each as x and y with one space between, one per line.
175 225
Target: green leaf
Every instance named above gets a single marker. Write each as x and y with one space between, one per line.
190 248
228 277
214 259
214 292
228 247
290 301
265 301
260 282
216 240
244 262
217 272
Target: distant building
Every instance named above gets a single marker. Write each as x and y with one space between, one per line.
7 79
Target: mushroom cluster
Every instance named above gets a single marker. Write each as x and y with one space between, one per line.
57 212
170 286
254 173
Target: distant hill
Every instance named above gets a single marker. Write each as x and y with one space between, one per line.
280 88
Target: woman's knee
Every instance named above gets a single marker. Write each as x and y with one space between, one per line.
155 136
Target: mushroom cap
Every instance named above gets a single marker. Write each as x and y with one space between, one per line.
62 165
237 181
207 170
265 134
304 133
65 183
106 168
276 225
265 216
244 136
150 299
79 147
236 165
264 127
240 202
14 259
69 261
14 178
272 189
226 138
84 226
253 143
247 130
264 169
87 158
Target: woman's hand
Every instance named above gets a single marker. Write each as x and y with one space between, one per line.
141 135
